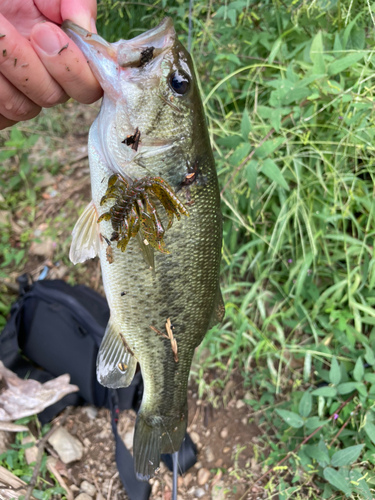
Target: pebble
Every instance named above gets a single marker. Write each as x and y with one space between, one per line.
31 454
226 449
203 476
66 446
210 457
240 404
155 487
224 433
244 421
219 462
198 465
88 488
187 479
91 412
128 439
248 396
168 481
83 496
195 437
199 492
218 492
99 496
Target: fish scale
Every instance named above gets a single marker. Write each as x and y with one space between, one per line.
146 288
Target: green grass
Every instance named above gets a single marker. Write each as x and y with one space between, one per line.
289 94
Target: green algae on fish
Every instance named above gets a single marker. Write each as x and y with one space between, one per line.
151 126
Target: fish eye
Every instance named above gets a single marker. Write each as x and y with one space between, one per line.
179 82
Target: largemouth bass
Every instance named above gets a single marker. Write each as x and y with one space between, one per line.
151 165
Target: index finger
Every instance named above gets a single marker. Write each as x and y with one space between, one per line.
22 67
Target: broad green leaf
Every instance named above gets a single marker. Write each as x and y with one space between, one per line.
347 456
347 387
313 451
290 418
343 63
251 174
272 171
275 50
335 372
358 371
369 356
370 377
337 480
316 54
239 154
313 423
370 431
305 404
328 392
307 367
361 484
245 125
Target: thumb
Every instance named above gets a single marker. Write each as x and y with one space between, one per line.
81 12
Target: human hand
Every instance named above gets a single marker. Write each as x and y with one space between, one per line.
40 66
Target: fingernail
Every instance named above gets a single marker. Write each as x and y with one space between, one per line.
48 38
83 19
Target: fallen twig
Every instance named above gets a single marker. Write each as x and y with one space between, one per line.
344 425
40 447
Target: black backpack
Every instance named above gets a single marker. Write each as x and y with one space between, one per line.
59 328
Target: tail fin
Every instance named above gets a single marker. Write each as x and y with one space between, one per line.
153 437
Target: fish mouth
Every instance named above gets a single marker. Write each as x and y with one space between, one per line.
125 53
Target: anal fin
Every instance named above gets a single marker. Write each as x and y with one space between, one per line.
85 236
116 364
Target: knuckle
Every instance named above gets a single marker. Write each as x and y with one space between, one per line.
22 110
52 96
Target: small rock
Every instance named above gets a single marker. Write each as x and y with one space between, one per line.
91 412
180 482
128 439
226 449
187 479
83 496
219 462
155 487
43 249
244 421
218 491
198 465
4 217
168 481
210 457
240 404
5 439
66 446
203 476
47 180
88 488
199 492
31 454
195 437
248 396
99 496
224 433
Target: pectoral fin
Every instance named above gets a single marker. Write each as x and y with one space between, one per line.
218 311
115 366
85 236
